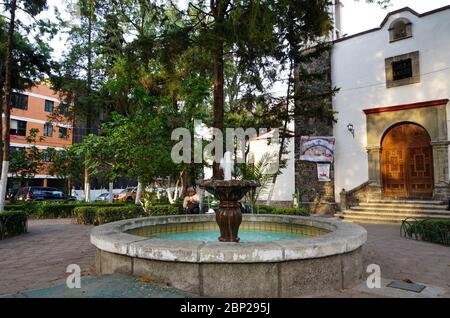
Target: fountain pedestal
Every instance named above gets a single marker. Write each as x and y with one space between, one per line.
229 215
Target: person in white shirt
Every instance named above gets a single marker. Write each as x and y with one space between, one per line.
191 202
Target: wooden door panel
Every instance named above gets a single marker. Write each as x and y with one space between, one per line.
407 163
394 172
420 172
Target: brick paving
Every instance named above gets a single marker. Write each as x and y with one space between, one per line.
39 258
400 258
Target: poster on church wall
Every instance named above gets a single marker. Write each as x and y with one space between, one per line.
323 172
317 149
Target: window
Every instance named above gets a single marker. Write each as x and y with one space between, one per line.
46 156
63 109
48 130
49 105
400 29
19 101
62 132
18 128
402 69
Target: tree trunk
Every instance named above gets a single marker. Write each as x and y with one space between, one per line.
7 104
218 77
87 185
138 192
110 190
69 184
169 196
89 71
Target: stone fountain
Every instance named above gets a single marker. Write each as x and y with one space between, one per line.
324 256
228 192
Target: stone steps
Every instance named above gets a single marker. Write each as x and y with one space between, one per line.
396 206
395 215
381 219
394 211
392 201
400 211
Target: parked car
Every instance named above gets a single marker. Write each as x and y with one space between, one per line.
42 194
127 194
11 194
103 197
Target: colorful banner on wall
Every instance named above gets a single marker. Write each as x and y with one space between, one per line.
317 149
323 172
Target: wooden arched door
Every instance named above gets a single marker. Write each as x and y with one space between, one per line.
407 162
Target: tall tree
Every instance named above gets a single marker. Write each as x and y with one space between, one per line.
238 29
78 79
65 163
32 8
25 161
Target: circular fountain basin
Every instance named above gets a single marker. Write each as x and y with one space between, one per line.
278 256
250 231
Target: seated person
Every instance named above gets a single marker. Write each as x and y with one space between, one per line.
191 202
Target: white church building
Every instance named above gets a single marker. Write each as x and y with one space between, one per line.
393 106
392 111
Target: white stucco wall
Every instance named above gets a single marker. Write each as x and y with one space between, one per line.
358 69
285 185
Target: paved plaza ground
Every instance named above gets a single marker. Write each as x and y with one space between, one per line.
39 259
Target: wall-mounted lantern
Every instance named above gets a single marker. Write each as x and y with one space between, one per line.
351 129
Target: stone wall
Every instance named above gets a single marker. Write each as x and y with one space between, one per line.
354 196
311 120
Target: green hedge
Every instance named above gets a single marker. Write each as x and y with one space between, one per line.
165 209
100 215
12 223
430 230
26 207
85 215
111 214
266 209
51 209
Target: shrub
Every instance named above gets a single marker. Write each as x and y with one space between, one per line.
165 209
29 207
99 215
12 223
266 209
430 230
51 210
55 209
14 207
111 214
84 214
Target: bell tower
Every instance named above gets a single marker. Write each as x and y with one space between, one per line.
337 19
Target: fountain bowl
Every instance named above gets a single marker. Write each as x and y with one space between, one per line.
327 259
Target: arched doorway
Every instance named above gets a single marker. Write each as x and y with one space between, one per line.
407 162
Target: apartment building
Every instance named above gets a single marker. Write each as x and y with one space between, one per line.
31 109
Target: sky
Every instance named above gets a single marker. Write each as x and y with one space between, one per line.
357 16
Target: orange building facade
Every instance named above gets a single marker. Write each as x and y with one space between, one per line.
32 109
